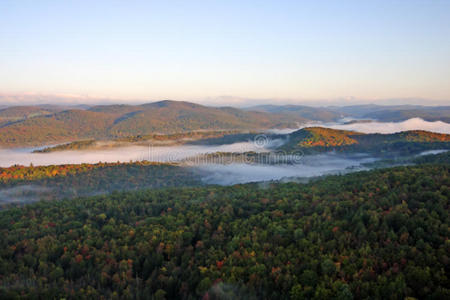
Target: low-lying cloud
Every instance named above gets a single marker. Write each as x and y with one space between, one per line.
393 127
375 126
310 166
9 157
432 152
23 194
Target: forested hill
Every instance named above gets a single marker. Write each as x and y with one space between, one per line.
371 235
325 139
37 127
53 124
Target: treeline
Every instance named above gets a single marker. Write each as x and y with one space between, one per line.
380 234
77 145
191 135
19 173
199 137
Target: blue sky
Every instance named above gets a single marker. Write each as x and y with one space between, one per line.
206 49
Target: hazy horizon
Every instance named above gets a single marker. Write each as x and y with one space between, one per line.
25 99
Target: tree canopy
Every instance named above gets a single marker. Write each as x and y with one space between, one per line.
378 234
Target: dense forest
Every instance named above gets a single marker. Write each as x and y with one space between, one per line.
319 139
18 173
377 234
23 184
19 184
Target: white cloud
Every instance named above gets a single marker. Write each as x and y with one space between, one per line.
392 127
10 157
309 166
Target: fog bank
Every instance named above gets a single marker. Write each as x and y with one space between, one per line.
23 194
310 166
428 152
375 126
393 127
9 157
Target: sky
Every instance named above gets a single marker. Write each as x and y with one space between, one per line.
226 50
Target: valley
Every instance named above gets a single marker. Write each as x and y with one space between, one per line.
91 167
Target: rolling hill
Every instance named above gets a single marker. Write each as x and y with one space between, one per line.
16 113
317 139
115 121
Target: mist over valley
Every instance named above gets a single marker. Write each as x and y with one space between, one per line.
226 158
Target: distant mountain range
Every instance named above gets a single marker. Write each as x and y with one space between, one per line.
322 114
50 124
384 113
396 113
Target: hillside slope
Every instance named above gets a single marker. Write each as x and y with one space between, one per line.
317 139
17 113
114 121
63 126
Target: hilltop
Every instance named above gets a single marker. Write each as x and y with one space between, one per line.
317 139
